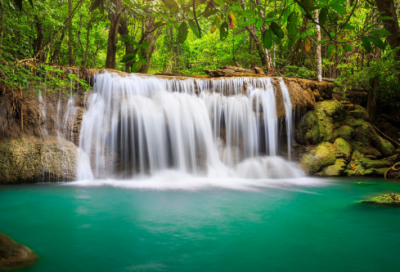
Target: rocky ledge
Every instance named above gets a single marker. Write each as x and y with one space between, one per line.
386 200
14 255
342 142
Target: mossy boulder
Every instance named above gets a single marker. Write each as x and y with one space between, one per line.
333 170
358 112
385 200
14 255
342 148
330 113
307 132
345 132
360 165
321 156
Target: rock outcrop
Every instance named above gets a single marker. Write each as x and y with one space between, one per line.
29 159
384 200
14 255
347 144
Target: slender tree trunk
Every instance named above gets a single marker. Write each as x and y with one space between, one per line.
39 38
56 53
114 18
70 56
151 39
2 6
124 32
319 58
89 27
371 104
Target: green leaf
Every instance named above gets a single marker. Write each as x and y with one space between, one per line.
267 39
303 35
348 26
330 50
366 44
292 25
158 25
194 28
95 5
323 15
386 18
380 32
170 4
183 32
275 39
348 48
259 23
276 29
323 41
339 8
128 57
31 2
223 31
377 42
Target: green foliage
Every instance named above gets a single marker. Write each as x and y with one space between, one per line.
299 72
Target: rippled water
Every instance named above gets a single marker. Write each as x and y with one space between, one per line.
307 225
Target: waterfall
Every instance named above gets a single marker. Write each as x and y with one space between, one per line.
137 126
288 110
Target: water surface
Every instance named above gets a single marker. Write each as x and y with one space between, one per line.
313 227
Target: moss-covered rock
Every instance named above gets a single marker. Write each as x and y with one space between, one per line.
307 131
358 112
387 200
384 146
319 157
360 165
345 132
329 113
333 170
14 255
342 148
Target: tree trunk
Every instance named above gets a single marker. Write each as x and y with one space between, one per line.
89 27
371 104
70 56
151 39
259 46
319 59
124 32
39 38
114 17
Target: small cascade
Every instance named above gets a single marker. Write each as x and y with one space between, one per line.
136 126
289 114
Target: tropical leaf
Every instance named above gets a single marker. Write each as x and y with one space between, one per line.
183 32
128 57
170 4
224 31
348 48
292 25
194 28
307 44
323 15
276 29
267 39
366 44
377 42
95 4
232 20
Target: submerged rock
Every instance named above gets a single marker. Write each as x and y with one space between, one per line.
14 255
387 200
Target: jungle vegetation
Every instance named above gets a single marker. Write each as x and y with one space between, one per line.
353 42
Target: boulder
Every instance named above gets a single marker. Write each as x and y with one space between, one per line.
360 165
14 255
29 159
307 132
334 170
385 200
321 156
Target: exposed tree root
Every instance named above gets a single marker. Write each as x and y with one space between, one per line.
394 169
385 136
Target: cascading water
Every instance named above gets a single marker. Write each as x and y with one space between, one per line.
137 126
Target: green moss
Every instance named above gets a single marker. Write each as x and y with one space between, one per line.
384 146
333 170
307 131
363 166
352 122
388 199
342 148
345 132
358 112
321 156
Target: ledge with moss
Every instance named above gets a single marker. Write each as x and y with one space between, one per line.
391 199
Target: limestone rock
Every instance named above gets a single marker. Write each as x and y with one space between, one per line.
307 132
333 170
14 255
386 200
342 148
345 132
29 159
360 165
321 156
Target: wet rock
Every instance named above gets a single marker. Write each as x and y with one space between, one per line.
360 165
307 132
334 170
321 156
14 255
328 113
345 132
342 148
385 200
29 159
